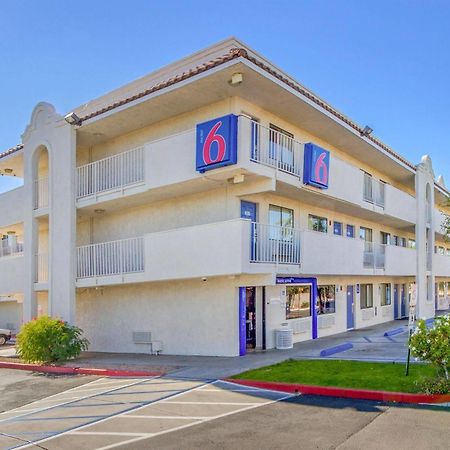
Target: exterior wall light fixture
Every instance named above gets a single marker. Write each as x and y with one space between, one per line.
72 119
367 131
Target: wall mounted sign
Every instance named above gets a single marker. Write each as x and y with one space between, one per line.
316 168
216 143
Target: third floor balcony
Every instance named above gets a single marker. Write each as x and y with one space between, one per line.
166 167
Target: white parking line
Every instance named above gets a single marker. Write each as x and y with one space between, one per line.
173 399
106 419
181 427
72 400
214 403
137 416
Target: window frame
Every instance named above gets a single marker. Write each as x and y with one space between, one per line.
330 309
365 287
288 303
385 288
321 219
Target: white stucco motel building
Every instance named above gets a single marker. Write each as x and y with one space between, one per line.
198 209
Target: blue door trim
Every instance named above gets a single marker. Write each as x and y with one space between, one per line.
242 321
313 283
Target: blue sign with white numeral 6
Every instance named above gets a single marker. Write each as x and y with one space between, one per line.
216 143
316 169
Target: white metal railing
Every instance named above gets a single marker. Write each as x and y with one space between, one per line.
41 275
41 193
111 258
11 246
114 172
374 190
274 244
275 149
374 255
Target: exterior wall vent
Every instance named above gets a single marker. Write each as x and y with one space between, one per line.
142 337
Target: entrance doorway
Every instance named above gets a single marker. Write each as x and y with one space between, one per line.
350 307
396 302
250 318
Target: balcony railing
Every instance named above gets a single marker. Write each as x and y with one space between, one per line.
274 244
11 246
275 149
41 193
374 255
41 275
374 190
114 172
111 258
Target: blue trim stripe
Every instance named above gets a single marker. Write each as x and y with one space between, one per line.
394 332
337 349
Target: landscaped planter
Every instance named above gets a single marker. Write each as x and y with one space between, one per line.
363 394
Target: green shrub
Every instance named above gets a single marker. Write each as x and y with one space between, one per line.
49 340
433 344
438 385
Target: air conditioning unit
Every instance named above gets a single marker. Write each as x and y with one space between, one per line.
145 337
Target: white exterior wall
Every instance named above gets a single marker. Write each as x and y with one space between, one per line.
10 315
191 229
190 317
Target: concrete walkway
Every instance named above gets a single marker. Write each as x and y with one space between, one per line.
369 344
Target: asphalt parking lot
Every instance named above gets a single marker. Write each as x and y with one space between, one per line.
170 413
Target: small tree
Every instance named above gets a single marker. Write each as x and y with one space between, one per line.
50 340
433 344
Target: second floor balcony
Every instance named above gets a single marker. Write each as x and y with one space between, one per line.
235 247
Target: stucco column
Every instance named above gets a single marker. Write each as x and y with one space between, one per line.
62 223
425 238
31 237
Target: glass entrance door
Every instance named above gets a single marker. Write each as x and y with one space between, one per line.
250 315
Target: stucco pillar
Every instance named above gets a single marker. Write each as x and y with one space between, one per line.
425 238
49 130
62 223
31 237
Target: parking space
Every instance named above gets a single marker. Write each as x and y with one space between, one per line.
110 412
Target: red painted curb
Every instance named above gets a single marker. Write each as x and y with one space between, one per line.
62 370
362 394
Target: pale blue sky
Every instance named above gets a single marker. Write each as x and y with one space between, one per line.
384 63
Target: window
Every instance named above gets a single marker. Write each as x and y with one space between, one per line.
317 223
298 302
327 299
441 250
350 231
281 217
385 293
402 242
366 296
448 252
365 234
281 146
368 188
385 238
337 228
441 289
411 243
394 240
255 139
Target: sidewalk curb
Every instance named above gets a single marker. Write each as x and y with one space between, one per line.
62 370
361 394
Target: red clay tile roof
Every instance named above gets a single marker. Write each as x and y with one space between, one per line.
11 150
235 53
242 53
